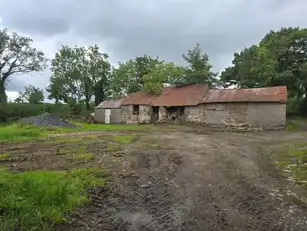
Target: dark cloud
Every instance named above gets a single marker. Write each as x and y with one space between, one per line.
156 27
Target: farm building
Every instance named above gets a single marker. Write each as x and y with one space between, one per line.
257 107
137 108
108 111
181 103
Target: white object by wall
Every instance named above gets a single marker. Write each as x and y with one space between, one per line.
107 116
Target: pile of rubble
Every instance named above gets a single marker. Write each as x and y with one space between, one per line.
46 119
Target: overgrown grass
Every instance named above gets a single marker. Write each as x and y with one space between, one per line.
113 148
4 156
40 199
20 132
295 123
77 154
294 162
125 139
16 132
74 139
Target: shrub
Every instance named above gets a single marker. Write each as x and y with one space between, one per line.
16 111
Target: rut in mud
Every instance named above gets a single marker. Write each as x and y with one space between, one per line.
217 181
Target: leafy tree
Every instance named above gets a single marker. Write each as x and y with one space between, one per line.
57 90
253 67
164 74
199 68
79 73
279 59
32 95
129 76
18 100
99 72
17 57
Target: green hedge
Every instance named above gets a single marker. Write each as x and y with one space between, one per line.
16 111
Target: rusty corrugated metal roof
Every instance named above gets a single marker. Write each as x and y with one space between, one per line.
267 94
139 98
110 104
181 96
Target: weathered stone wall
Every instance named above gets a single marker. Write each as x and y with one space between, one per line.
162 118
116 116
126 113
265 115
145 114
99 115
194 114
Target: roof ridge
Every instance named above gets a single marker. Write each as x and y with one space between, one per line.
248 88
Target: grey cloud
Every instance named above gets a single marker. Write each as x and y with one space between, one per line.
17 82
156 27
15 85
220 28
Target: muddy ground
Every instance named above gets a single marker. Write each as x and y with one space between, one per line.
183 181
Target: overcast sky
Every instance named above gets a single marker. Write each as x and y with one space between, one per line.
167 28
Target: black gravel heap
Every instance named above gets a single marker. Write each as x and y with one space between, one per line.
46 119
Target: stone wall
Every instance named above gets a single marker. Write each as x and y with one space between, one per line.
126 113
265 115
99 115
194 114
145 114
162 117
116 116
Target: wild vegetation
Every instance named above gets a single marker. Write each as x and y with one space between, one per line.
36 200
48 172
40 195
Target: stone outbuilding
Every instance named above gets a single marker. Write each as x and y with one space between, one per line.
137 108
181 103
108 111
254 107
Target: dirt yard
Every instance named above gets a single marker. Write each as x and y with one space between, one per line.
174 181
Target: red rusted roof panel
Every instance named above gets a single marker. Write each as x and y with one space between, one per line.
139 98
110 104
268 94
181 96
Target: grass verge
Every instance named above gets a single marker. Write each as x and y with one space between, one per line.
21 132
294 162
37 200
295 123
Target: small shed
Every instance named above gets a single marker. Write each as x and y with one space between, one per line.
108 111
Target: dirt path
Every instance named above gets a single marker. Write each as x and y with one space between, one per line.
198 182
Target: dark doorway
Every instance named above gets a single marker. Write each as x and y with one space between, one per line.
155 114
175 112
136 110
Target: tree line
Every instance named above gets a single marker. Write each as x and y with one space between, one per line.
85 74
